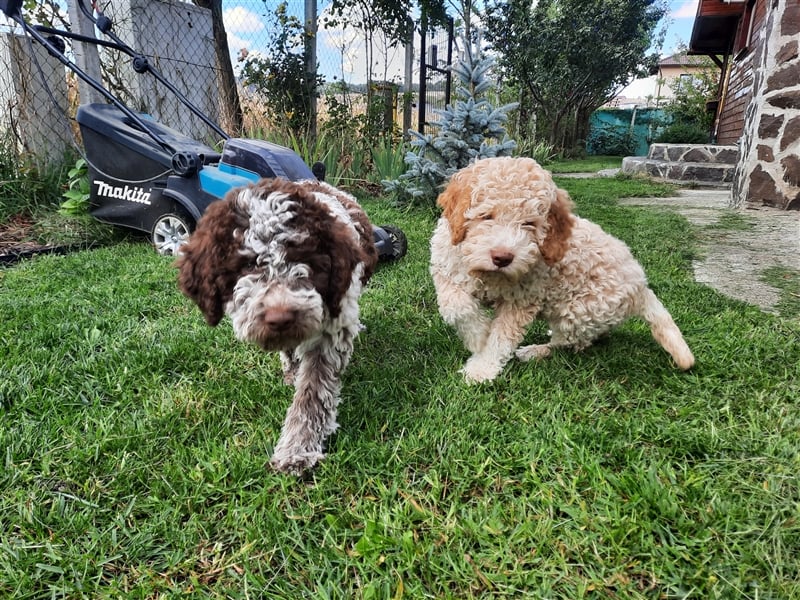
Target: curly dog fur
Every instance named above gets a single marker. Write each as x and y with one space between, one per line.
508 250
287 262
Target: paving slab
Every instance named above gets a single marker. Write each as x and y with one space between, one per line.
733 260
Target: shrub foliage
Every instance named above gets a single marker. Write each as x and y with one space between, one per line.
469 129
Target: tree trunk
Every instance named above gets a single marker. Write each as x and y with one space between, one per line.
526 117
231 106
582 125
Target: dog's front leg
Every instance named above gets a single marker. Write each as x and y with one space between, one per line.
289 363
505 333
312 416
462 311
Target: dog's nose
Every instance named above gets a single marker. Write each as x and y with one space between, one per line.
279 318
501 258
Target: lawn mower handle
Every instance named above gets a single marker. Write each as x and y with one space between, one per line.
141 64
11 8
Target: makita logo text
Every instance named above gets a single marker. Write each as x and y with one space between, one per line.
131 194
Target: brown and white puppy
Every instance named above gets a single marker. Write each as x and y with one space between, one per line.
287 262
508 250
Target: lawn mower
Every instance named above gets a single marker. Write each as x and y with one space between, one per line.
149 177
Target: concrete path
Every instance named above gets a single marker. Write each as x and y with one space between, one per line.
735 254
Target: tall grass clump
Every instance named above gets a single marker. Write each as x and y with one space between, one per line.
542 152
25 187
388 160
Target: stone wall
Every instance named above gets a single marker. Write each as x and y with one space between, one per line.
768 171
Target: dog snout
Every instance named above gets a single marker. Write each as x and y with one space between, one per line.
501 258
280 318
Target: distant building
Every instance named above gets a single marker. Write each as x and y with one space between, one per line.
654 91
676 69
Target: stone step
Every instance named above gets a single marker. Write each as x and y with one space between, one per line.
694 153
701 164
700 173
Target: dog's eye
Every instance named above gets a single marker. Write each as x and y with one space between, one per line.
529 224
487 217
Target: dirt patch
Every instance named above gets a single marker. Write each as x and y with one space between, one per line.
22 236
736 246
16 236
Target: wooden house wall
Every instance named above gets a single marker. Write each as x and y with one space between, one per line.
737 97
730 123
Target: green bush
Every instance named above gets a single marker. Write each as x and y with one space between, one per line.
683 133
279 75
611 142
689 120
76 197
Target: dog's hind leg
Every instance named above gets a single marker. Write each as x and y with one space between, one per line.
558 339
563 334
312 416
534 351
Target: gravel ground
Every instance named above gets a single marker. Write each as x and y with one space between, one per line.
733 259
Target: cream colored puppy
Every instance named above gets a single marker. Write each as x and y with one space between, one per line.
508 250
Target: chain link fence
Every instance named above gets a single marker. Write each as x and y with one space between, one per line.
39 96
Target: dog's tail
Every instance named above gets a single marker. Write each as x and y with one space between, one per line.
664 329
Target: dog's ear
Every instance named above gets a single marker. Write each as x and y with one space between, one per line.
559 228
455 200
328 248
210 262
369 252
344 256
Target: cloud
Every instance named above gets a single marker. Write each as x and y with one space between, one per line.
236 43
342 53
241 20
687 10
240 24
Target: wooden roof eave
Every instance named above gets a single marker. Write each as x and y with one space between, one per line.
715 26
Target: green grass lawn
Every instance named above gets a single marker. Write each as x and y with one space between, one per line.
590 164
135 442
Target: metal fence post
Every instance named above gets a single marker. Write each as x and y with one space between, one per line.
423 73
311 64
408 83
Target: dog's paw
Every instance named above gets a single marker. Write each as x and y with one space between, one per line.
289 366
534 351
478 370
295 463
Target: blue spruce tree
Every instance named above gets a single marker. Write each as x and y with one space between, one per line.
471 129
